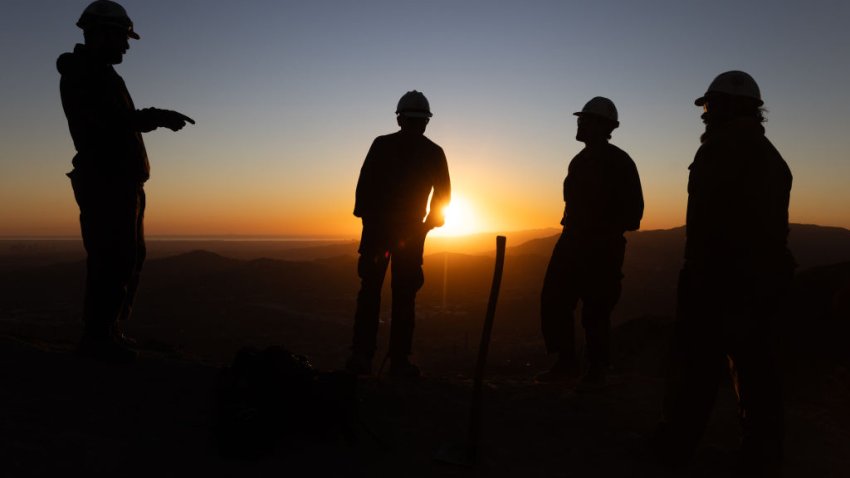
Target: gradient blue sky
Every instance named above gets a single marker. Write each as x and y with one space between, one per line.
289 95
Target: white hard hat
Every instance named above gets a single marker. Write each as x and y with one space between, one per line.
106 13
414 104
600 106
733 83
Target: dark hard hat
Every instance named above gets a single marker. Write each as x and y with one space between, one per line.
733 83
601 107
414 104
106 13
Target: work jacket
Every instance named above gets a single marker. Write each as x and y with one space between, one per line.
105 125
602 193
397 178
738 194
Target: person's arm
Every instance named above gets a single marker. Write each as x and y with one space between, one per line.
100 112
149 119
632 206
442 193
365 197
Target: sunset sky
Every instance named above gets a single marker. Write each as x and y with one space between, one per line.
289 95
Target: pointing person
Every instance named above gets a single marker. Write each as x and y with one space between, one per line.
110 169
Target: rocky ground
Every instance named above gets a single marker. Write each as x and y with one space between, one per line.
61 414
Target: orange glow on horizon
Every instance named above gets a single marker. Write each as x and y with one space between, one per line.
488 203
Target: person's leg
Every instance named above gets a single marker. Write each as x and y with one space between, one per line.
558 300
107 221
596 320
139 255
371 267
695 367
758 386
602 262
407 279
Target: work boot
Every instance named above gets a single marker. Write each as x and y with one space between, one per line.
105 349
402 368
359 364
564 370
120 337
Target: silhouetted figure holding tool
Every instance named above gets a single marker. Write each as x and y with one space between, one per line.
110 169
603 200
397 177
737 270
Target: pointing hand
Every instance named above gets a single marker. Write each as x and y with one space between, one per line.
175 121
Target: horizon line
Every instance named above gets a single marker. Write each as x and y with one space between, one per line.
319 237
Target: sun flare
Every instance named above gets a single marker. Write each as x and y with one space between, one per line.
461 219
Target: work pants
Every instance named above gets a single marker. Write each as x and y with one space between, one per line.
586 269
379 248
724 323
111 221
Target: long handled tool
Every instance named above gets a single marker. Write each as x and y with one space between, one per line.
468 455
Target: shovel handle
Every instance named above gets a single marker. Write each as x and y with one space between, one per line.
475 409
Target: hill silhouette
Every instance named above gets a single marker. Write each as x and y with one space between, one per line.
200 295
811 245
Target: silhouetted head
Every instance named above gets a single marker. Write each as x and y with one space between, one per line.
106 29
596 121
412 125
413 112
733 94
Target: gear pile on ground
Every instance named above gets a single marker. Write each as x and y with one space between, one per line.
272 396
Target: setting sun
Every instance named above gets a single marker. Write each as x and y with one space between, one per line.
461 219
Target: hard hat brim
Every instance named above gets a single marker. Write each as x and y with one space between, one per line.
415 114
130 32
612 121
704 99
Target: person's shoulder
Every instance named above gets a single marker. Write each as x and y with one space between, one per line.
582 155
384 139
68 64
436 148
768 146
615 153
79 64
773 156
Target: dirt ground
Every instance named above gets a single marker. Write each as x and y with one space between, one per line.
63 414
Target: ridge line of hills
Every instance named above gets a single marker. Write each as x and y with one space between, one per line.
812 245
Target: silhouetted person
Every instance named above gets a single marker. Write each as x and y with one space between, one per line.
603 199
737 269
397 177
110 168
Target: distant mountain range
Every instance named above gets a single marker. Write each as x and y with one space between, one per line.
319 280
811 244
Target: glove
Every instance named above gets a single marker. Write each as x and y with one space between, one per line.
173 120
